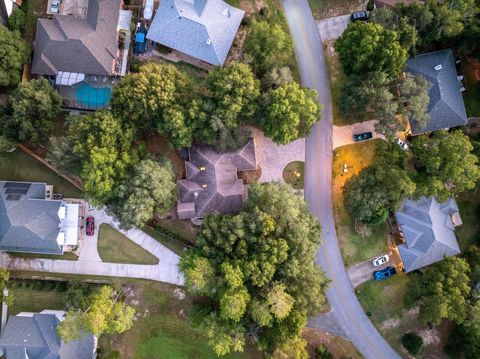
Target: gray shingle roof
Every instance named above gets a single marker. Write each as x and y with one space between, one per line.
85 45
204 29
446 108
212 184
31 223
428 231
36 336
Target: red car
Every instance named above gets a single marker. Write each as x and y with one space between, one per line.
90 226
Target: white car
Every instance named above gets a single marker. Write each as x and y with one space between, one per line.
380 260
402 144
54 6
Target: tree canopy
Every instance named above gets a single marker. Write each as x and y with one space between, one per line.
30 111
104 148
290 112
13 52
257 268
369 47
445 164
414 98
16 21
150 189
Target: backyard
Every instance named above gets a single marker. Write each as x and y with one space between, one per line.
471 97
355 247
114 247
469 232
19 166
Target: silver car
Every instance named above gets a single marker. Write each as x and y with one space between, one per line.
377 262
54 6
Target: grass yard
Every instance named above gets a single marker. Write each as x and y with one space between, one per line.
338 346
471 97
469 232
114 247
69 256
355 247
19 166
293 174
322 9
35 300
32 9
169 241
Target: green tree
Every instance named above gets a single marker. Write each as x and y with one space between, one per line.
16 21
31 109
140 99
413 343
258 269
442 291
5 146
445 164
234 92
472 255
77 295
415 99
104 148
150 189
321 352
277 76
267 45
292 349
369 47
60 153
106 313
13 52
290 112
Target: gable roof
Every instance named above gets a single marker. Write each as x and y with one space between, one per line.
446 108
28 222
72 44
212 184
33 335
204 29
428 230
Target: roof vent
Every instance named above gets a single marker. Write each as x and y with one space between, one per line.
204 185
208 42
202 168
438 67
195 195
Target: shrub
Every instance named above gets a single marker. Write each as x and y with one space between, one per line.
16 22
321 352
39 285
413 343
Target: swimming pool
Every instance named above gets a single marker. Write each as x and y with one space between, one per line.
92 97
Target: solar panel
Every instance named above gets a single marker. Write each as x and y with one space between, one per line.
13 197
16 191
17 185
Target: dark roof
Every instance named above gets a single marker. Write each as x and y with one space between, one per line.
212 184
446 108
35 337
28 222
204 29
72 44
429 231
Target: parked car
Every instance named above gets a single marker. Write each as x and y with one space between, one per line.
380 260
54 6
384 273
362 136
140 45
359 16
402 144
90 226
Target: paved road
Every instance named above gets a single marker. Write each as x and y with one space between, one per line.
349 315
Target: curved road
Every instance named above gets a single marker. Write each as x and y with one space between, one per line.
347 314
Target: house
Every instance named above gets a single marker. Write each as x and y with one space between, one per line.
428 229
212 184
392 3
82 53
6 9
31 222
446 108
203 29
34 336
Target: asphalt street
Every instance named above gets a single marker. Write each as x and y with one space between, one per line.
347 313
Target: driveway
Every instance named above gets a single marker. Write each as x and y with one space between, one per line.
362 272
273 158
350 318
333 27
343 135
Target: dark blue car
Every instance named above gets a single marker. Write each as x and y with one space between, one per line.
140 44
384 273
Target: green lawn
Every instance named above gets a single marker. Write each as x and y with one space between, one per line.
469 232
355 247
33 300
114 247
31 8
293 174
471 97
69 256
19 166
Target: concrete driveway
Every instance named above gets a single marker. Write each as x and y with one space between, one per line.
333 27
343 135
362 272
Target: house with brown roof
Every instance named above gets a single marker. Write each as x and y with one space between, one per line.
212 184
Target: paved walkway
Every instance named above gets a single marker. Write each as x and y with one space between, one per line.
333 27
273 158
165 271
343 135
